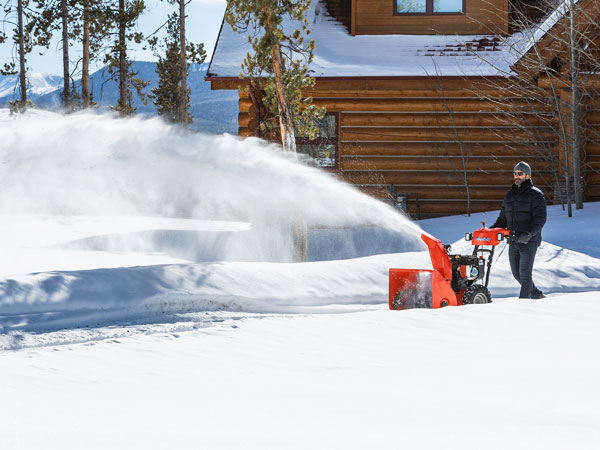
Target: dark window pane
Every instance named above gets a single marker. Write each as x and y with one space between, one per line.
411 6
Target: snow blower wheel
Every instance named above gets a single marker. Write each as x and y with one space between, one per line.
476 295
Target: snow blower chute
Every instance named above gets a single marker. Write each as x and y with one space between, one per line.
455 279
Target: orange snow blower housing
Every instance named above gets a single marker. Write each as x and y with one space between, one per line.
454 278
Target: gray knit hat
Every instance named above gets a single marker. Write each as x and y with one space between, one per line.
523 167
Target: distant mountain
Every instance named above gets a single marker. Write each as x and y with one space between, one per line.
213 111
38 84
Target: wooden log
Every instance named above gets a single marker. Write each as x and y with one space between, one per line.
491 193
428 105
592 178
444 134
466 92
497 150
592 163
417 84
438 120
380 192
245 132
592 193
593 117
398 84
244 104
433 209
592 148
499 178
592 82
244 119
440 163
226 84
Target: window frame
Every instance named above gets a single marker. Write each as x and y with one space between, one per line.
335 141
429 10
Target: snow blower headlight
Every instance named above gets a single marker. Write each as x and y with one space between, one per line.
500 237
468 236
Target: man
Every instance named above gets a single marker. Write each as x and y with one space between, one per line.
524 213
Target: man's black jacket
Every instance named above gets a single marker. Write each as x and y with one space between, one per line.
523 209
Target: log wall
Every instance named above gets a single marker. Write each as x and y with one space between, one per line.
430 142
591 150
480 17
415 139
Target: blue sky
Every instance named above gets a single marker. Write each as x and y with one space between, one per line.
203 22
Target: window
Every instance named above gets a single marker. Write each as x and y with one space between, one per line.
324 149
429 6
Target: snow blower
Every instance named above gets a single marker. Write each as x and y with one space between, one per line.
455 279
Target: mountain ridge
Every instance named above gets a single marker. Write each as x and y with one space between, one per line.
213 111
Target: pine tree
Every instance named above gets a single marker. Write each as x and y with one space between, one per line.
22 18
171 96
92 28
283 56
124 15
57 15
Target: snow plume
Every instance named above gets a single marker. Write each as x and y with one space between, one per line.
97 165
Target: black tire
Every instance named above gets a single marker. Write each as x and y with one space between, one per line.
476 295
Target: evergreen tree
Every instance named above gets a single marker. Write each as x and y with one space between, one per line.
86 20
124 15
171 96
281 55
22 18
57 15
92 29
284 57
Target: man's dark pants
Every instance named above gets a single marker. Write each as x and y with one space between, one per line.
521 258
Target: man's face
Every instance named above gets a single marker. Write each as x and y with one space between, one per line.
520 177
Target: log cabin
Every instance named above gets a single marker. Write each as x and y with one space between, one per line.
431 103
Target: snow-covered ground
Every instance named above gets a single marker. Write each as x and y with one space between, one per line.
149 327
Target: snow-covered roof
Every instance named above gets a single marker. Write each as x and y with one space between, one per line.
339 54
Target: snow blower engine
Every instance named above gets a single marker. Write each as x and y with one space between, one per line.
455 279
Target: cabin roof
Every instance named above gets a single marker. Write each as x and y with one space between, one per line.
339 54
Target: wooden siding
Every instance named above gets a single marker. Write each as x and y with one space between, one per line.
591 155
416 140
419 139
480 17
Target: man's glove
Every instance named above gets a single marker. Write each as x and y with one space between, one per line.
523 237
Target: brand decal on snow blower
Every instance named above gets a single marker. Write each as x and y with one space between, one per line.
487 239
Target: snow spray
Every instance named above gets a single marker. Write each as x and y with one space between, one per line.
96 165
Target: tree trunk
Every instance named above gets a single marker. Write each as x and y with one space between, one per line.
123 107
85 69
288 140
286 122
565 142
575 109
65 45
183 112
22 79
